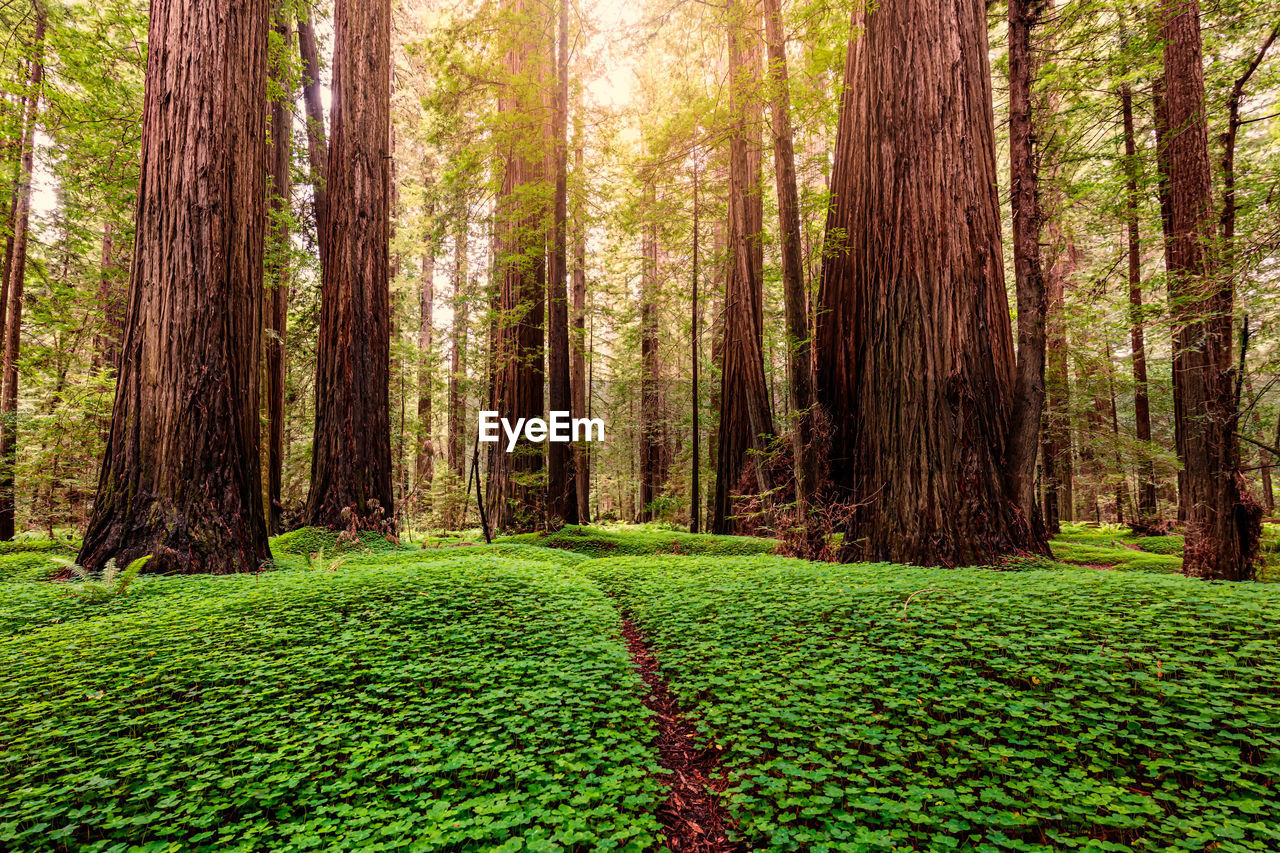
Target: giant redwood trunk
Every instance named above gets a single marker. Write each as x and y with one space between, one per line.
746 419
351 456
516 491
17 274
278 304
915 361
804 446
1222 524
180 476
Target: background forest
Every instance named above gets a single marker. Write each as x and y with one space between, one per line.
643 104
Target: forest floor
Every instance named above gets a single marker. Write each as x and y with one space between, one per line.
637 688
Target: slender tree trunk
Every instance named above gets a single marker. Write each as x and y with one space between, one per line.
1222 520
351 469
317 147
278 303
578 379
914 345
799 359
181 478
1161 120
111 302
457 354
562 494
425 467
1148 515
1029 390
695 474
653 428
518 345
17 278
746 421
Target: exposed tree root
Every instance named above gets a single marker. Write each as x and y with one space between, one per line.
693 817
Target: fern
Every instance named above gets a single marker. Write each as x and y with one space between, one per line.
112 583
317 563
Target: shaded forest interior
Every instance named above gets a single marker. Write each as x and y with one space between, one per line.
916 284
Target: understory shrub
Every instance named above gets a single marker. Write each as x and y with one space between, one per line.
642 539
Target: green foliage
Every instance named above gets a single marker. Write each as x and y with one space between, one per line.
995 711
26 566
1160 544
637 540
311 540
111 583
317 563
1120 557
484 703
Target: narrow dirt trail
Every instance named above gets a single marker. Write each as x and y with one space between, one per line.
693 817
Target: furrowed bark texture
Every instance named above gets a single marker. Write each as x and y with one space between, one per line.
914 345
180 476
516 491
351 461
746 420
317 146
1028 264
16 279
799 356
1222 520
278 302
562 493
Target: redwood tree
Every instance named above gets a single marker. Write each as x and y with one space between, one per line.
914 346
351 456
278 304
746 420
180 477
1223 522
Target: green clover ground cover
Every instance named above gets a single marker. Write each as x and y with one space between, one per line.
465 701
1005 711
637 540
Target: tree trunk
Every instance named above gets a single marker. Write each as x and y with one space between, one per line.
695 474
562 493
425 467
278 270
578 378
1222 520
516 495
1029 390
457 354
180 476
111 302
914 344
746 421
17 278
351 461
317 147
653 428
1148 514
799 358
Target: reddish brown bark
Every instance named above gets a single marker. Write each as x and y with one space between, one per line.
317 147
1024 179
804 447
746 419
351 457
516 495
12 303
1222 520
180 476
562 493
914 344
278 272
